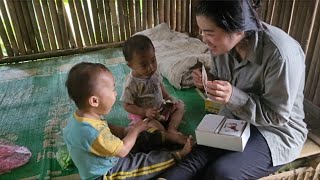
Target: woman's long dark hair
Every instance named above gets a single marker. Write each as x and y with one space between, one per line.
230 15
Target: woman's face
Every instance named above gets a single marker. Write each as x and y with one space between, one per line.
218 40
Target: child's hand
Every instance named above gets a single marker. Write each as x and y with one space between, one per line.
140 126
152 113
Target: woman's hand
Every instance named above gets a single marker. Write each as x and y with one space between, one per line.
219 91
197 78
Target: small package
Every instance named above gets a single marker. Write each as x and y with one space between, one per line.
210 105
220 132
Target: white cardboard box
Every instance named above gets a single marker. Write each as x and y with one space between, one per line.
207 134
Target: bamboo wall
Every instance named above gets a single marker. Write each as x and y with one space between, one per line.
301 19
32 29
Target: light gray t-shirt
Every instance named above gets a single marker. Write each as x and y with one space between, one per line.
143 92
268 90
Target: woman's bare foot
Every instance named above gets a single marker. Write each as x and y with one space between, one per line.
187 147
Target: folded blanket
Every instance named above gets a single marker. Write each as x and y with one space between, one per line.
176 54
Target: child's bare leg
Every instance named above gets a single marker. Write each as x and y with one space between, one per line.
156 124
175 118
178 138
187 147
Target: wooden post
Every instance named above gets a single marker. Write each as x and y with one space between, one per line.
108 20
62 24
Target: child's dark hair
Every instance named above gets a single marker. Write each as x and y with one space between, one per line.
81 81
136 44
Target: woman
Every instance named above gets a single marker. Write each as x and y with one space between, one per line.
259 76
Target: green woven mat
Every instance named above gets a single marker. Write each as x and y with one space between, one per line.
34 106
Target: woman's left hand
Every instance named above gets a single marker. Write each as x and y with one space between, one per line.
219 91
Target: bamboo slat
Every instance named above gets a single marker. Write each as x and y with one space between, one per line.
314 29
194 26
35 26
89 23
150 14
307 24
161 11
26 31
138 15
42 26
286 15
184 16
276 13
62 24
95 18
269 11
16 27
60 52
301 19
75 23
263 9
12 39
102 21
114 20
71 39
82 22
121 21
178 15
167 12
5 39
144 14
295 19
281 14
316 97
109 23
49 24
55 22
155 13
125 18
188 15
313 71
131 16
1 54
173 14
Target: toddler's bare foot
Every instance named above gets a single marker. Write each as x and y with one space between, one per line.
187 147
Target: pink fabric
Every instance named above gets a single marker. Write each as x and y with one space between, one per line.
12 156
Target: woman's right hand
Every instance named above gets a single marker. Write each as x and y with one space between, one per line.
197 78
